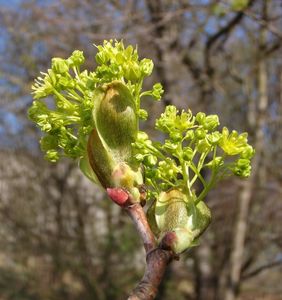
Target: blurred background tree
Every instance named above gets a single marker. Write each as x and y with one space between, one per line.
59 236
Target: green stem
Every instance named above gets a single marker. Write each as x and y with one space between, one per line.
197 175
197 169
147 93
211 182
67 102
207 188
185 169
76 72
74 95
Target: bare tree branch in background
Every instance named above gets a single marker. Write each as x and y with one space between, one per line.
207 61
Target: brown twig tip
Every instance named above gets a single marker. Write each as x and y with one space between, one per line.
118 195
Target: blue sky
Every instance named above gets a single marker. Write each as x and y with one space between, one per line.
10 2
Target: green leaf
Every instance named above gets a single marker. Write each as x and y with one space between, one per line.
87 170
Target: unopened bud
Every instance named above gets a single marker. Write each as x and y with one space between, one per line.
118 195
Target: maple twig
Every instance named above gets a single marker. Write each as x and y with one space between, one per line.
157 258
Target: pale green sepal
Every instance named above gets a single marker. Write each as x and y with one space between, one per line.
152 219
201 219
100 159
86 169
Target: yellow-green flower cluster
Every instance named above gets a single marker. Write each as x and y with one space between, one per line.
194 144
63 96
93 116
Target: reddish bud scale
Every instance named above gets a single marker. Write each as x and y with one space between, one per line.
118 195
168 240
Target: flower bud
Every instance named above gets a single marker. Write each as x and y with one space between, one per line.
248 152
200 133
147 66
143 114
214 137
150 160
157 91
211 122
203 146
242 168
189 135
76 59
176 136
142 136
132 71
200 118
187 153
59 65
52 155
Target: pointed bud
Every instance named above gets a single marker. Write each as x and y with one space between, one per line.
115 118
86 169
109 144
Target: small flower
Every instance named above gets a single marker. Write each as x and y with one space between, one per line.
146 66
233 143
211 122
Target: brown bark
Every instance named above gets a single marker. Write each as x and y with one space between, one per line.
157 259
